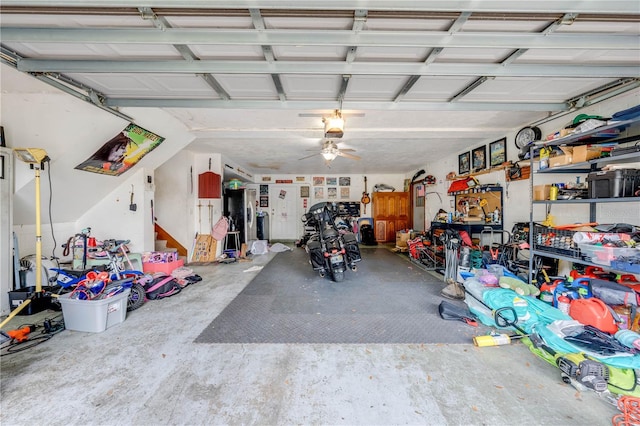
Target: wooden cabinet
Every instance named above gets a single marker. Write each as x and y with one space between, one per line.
390 214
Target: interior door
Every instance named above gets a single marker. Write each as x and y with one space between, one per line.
250 208
284 212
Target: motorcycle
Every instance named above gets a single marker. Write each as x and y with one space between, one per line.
331 247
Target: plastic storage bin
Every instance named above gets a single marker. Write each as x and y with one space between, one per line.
613 183
94 315
603 255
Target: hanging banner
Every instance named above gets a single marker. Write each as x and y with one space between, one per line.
122 151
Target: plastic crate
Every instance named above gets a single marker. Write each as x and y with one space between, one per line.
603 255
557 241
94 315
626 266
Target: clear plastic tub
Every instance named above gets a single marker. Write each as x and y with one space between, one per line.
603 255
94 315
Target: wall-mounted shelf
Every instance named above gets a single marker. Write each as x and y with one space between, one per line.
577 138
480 172
587 166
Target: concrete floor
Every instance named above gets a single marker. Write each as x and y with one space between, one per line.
148 371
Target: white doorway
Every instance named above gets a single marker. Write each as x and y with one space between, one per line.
284 212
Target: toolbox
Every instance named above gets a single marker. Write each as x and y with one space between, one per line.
613 183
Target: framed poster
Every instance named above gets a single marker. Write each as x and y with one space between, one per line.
332 181
318 180
345 181
345 193
332 193
464 160
122 151
479 158
498 152
318 192
304 192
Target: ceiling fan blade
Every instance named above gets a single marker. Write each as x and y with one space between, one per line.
347 150
309 156
349 156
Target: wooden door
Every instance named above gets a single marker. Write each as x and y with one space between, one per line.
390 214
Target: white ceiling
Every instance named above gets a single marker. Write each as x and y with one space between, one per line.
253 79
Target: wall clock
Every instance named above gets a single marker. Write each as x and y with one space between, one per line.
526 135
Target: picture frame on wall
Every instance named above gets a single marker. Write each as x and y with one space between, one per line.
479 158
464 163
304 191
498 152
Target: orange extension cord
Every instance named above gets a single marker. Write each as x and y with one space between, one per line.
630 416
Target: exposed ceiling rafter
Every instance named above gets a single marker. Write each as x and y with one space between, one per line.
313 37
333 105
487 6
326 67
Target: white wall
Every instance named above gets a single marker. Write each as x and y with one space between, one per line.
36 115
517 193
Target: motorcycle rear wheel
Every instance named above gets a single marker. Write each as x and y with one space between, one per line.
338 276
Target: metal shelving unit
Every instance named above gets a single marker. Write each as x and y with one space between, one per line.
583 167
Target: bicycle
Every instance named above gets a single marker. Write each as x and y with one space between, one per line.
116 252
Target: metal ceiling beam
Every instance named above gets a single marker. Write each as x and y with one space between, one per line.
332 105
500 6
209 36
267 51
327 68
433 54
359 19
162 24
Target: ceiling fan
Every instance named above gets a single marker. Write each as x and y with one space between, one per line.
330 151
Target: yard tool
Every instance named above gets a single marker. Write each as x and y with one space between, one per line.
497 339
451 241
20 334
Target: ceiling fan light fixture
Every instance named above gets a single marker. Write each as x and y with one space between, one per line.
329 155
334 125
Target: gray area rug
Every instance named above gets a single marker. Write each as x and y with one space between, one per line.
388 300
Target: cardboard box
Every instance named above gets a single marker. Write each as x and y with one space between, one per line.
402 238
205 249
586 152
541 192
560 160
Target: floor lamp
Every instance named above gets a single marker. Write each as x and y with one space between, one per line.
36 158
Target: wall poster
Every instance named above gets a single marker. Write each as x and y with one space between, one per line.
121 152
